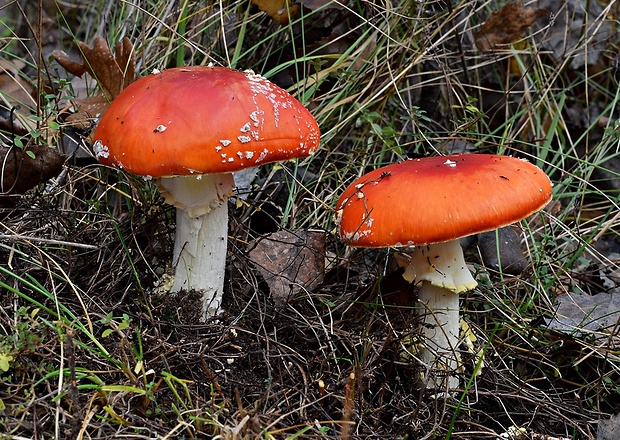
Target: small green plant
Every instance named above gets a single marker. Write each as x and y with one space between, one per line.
116 324
24 339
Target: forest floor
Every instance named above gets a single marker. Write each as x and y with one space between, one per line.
92 345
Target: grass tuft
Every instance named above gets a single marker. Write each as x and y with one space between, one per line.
91 346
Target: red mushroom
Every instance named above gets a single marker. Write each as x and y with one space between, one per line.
190 128
430 203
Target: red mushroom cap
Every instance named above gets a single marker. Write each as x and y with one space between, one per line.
437 199
193 120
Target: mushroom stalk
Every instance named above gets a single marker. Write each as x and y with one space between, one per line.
201 235
441 273
440 330
200 256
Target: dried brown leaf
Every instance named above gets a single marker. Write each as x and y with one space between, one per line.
506 25
280 11
587 314
73 67
88 108
289 262
113 74
22 171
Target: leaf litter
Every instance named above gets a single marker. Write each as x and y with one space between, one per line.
334 355
290 262
112 72
507 25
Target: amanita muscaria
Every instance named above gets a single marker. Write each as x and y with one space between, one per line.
429 204
190 128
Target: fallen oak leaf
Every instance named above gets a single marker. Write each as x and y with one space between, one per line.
281 11
21 168
112 73
289 262
594 315
88 109
73 67
506 25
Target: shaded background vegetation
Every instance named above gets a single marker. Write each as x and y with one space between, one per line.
92 346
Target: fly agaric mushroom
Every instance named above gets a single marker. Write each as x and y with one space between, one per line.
430 203
190 128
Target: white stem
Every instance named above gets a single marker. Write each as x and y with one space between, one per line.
200 256
440 309
441 274
201 236
442 265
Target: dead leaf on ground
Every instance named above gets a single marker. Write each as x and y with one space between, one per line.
281 11
506 25
587 314
289 262
23 169
113 74
582 31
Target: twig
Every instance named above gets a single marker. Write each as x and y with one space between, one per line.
18 237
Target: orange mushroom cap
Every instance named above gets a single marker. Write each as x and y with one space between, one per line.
199 119
437 199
